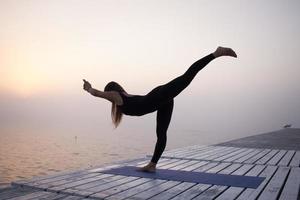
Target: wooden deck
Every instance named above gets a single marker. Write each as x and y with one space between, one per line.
280 167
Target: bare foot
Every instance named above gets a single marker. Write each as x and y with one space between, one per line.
224 51
151 167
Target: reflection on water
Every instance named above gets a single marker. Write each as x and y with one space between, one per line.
28 153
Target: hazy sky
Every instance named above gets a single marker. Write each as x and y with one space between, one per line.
47 47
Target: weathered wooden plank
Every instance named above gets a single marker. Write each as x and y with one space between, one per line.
251 193
206 167
77 183
218 168
220 154
233 158
273 188
172 192
109 185
121 188
31 195
192 192
214 191
72 198
184 165
104 180
154 190
233 192
296 160
257 156
292 185
231 168
277 157
174 164
61 182
287 158
266 157
135 190
228 155
184 152
195 166
211 192
15 192
248 156
211 151
50 196
214 154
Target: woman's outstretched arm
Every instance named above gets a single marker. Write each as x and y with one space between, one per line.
111 96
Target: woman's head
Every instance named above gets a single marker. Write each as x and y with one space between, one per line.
116 112
113 86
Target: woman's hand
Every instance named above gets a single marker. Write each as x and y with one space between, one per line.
86 85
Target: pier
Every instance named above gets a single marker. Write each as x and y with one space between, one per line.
275 156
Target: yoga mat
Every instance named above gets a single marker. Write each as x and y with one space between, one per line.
189 176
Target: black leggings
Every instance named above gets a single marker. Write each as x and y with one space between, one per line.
163 95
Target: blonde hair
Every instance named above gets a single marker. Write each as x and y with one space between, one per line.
116 111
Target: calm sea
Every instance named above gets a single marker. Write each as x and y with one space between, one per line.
29 152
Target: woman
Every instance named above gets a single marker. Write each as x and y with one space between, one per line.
160 99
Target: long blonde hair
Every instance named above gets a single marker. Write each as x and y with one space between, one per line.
116 112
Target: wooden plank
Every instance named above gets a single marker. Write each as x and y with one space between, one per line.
106 186
267 157
277 157
13 192
174 191
77 183
292 185
220 154
213 151
233 158
287 158
184 165
273 188
31 195
72 198
192 192
218 168
211 192
121 188
174 164
234 192
83 190
296 160
221 158
61 182
257 156
133 191
248 156
50 196
154 190
251 193
206 167
187 151
195 166
215 154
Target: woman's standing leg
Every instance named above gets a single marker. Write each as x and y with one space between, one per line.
163 118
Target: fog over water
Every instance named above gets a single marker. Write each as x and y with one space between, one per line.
48 123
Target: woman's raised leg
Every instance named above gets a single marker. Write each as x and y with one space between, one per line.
174 87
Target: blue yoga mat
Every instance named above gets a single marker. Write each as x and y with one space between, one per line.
188 176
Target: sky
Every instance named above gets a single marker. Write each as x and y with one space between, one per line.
48 47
